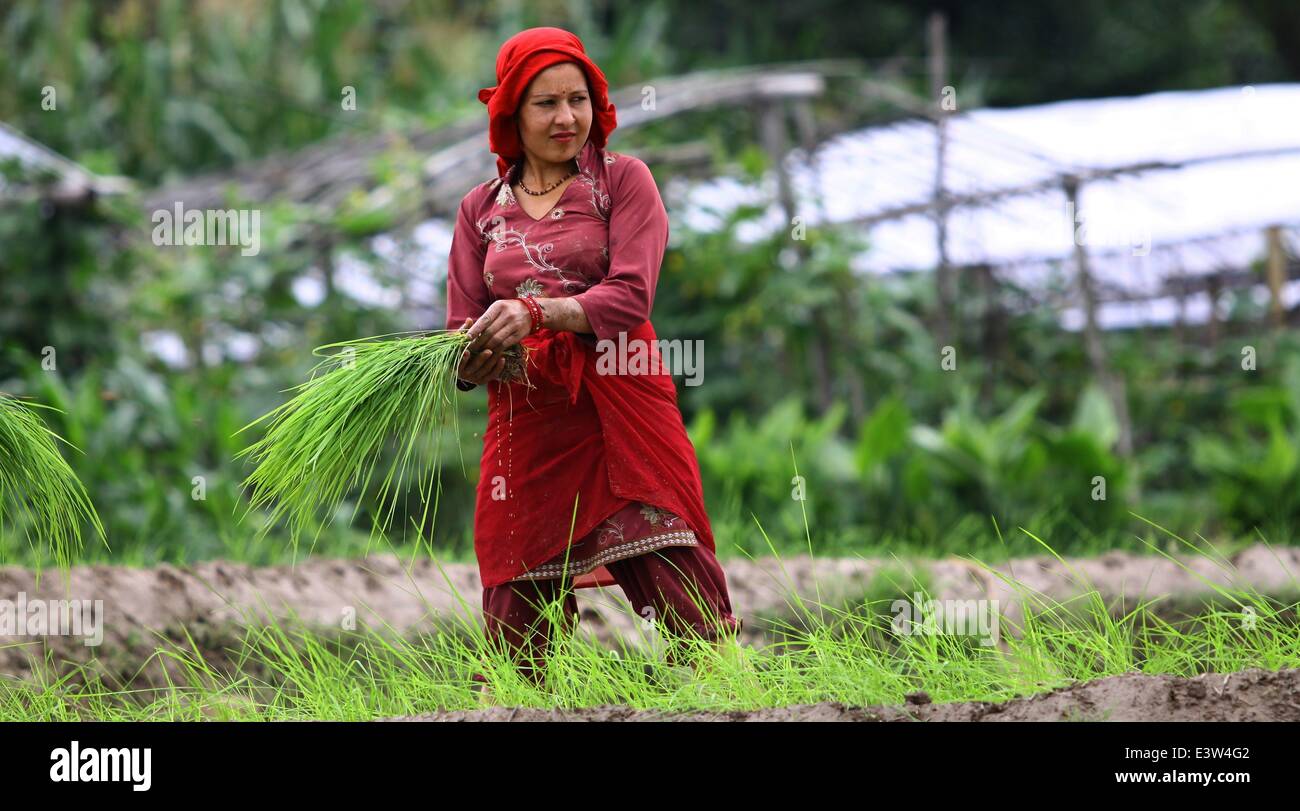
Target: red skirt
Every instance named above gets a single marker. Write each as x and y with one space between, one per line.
577 454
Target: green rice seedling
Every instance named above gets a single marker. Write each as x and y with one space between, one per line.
332 435
39 493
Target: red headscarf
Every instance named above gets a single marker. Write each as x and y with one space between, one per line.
521 58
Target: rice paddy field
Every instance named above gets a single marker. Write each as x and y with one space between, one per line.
985 329
1193 634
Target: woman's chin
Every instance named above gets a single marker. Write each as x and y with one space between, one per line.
561 151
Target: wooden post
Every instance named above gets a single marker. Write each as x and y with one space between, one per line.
1180 320
946 320
993 329
806 124
1180 323
1276 275
1093 343
1214 288
772 125
845 364
773 135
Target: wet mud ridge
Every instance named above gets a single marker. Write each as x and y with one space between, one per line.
1247 695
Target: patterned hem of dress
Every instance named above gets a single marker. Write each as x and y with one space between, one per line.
638 547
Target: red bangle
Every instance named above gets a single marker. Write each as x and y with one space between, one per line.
534 310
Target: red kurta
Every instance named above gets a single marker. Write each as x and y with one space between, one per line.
613 442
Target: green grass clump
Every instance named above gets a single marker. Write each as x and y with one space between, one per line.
330 437
39 493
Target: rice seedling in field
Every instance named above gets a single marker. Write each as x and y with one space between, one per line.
847 650
39 493
335 431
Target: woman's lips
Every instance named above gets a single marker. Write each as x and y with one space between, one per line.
565 137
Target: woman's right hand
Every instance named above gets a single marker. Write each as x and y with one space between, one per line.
480 367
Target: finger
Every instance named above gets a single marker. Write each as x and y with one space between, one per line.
474 364
488 371
502 335
467 359
467 364
483 324
464 356
480 363
463 370
499 366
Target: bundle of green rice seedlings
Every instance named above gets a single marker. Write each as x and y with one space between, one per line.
328 440
38 490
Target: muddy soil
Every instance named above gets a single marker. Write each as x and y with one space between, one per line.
1248 695
213 602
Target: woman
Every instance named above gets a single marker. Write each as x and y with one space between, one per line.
583 473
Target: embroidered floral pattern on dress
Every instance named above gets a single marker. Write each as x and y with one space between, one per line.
498 222
628 550
557 213
536 255
637 528
611 531
529 287
657 517
488 277
505 195
599 199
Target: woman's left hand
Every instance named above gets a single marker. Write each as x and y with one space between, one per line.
504 324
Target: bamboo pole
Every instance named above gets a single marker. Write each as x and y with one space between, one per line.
775 140
1276 275
1093 344
1215 288
945 318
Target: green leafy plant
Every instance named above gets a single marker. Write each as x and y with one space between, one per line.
38 490
1016 462
750 464
1255 467
985 460
1083 461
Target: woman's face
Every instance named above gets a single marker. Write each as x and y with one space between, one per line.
555 103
